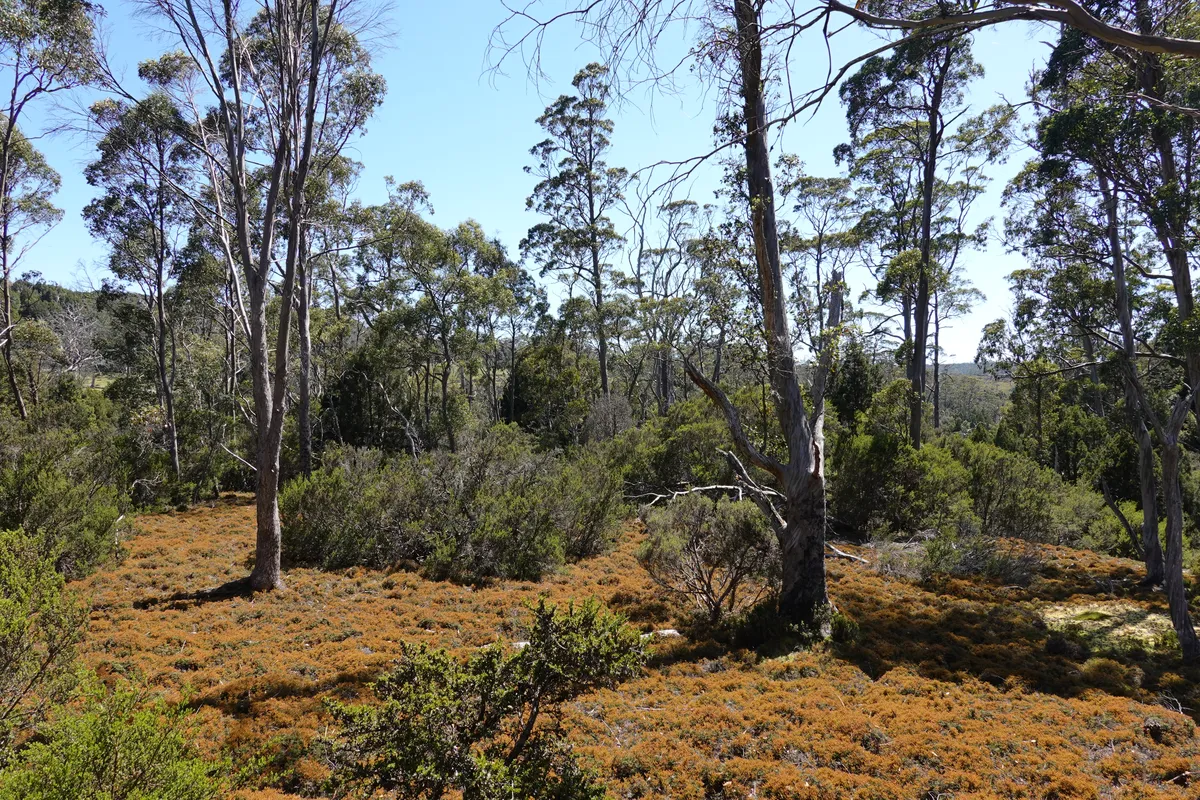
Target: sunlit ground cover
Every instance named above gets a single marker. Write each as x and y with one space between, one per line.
960 689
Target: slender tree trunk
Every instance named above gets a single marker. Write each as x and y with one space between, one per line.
165 377
304 379
937 366
921 306
1181 619
8 325
719 351
1152 552
601 327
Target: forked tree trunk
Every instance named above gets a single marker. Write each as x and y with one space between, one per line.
1168 435
800 524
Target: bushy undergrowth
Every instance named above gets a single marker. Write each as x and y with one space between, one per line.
1009 563
114 746
62 482
495 508
882 486
40 627
488 727
718 556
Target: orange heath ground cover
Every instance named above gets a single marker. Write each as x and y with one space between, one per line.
958 690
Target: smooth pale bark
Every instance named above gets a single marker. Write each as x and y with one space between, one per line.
304 379
1152 553
1168 435
800 524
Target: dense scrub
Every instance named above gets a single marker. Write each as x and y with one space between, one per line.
63 481
495 508
956 485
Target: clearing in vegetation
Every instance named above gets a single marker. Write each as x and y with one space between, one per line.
955 688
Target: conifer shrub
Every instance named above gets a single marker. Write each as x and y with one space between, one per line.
719 556
40 627
487 727
114 746
495 508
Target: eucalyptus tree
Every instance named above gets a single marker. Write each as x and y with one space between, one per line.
1089 133
913 97
735 51
144 169
577 192
27 183
1065 315
46 47
661 281
260 83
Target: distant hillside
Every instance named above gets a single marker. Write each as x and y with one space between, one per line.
962 368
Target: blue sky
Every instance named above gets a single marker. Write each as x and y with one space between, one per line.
466 134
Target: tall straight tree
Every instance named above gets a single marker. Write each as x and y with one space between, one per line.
265 71
46 46
577 191
915 93
145 166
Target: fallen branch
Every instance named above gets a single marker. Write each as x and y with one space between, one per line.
843 554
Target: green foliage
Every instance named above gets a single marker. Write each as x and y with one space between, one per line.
40 626
720 556
550 389
494 508
114 747
881 484
62 482
679 448
487 727
588 501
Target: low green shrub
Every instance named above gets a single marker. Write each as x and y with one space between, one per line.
115 746
720 556
487 727
61 481
1007 562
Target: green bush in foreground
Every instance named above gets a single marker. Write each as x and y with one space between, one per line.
487 727
40 626
115 747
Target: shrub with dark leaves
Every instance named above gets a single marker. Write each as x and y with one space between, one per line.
487 727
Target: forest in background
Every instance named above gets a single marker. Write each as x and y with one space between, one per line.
396 394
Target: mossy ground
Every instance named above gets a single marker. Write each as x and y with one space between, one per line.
960 689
